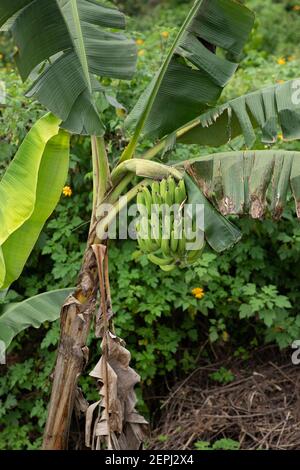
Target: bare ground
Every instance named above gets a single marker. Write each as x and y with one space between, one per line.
260 408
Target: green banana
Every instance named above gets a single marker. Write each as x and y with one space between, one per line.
156 199
182 191
140 199
163 189
182 245
144 228
165 247
152 245
178 227
193 256
155 187
142 245
171 188
148 199
160 261
156 225
168 268
178 196
169 200
174 242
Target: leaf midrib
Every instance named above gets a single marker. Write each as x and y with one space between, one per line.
79 44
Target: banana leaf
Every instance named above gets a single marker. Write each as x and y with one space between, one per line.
65 45
272 110
29 192
254 183
31 312
194 73
219 232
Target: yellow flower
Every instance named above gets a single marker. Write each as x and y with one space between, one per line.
280 82
281 61
296 7
141 52
165 34
225 336
198 293
280 136
67 191
139 42
120 112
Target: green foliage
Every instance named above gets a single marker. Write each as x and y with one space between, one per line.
222 376
23 394
164 325
277 26
17 117
221 444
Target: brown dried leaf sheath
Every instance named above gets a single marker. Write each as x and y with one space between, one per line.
117 425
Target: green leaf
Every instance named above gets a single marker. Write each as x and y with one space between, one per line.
71 40
248 182
31 313
220 233
29 192
268 317
226 444
246 311
273 110
282 302
193 75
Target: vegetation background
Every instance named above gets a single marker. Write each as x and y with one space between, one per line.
249 296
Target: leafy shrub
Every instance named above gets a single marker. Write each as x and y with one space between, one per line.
221 444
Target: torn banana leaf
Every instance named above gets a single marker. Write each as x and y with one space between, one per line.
248 183
219 232
29 192
70 43
194 75
273 110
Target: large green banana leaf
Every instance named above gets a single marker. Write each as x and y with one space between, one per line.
193 74
70 38
219 232
273 110
29 192
248 183
33 312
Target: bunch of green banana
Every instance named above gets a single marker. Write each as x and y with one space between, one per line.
161 232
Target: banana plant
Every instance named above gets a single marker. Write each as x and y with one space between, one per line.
64 46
